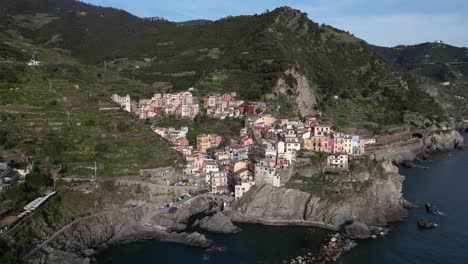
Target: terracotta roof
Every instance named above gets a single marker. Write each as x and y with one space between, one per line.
241 170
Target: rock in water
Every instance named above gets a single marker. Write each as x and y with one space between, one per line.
424 223
431 208
357 230
406 204
218 223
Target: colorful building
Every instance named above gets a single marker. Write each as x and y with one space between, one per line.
208 141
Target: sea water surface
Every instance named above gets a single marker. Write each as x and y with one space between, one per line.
442 181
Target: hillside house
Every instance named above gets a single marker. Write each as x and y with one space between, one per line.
208 141
337 161
219 182
242 188
123 101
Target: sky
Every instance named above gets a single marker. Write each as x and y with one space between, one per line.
379 22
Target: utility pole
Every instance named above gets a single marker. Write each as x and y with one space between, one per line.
95 171
68 116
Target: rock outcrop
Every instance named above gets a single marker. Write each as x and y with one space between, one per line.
426 224
79 241
302 92
439 141
357 230
218 223
377 206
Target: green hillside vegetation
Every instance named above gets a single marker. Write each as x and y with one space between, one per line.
436 63
60 121
244 54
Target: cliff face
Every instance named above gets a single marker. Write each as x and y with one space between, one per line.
79 241
377 206
443 141
436 140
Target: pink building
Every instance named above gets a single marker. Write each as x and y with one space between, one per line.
310 122
219 182
338 143
254 108
362 146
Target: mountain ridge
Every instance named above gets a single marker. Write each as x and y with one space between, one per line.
248 55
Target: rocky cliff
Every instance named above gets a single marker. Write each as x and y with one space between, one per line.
79 241
435 140
439 140
378 205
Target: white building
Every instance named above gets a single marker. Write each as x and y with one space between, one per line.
337 161
292 144
321 130
123 101
369 141
241 189
264 174
276 181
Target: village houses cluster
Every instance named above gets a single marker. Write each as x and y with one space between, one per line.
221 106
265 147
182 104
185 105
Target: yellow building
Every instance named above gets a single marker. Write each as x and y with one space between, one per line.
203 143
348 145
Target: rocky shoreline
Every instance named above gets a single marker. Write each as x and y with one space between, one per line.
361 217
329 252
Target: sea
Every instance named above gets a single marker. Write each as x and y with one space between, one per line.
442 180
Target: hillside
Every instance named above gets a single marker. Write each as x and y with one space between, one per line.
444 72
52 113
280 56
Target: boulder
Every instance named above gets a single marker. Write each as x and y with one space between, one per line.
357 230
407 204
431 208
426 224
218 223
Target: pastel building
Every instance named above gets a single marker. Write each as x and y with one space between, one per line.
338 143
207 141
356 145
292 144
320 144
348 145
219 182
255 108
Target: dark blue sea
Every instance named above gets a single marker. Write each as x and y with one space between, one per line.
443 181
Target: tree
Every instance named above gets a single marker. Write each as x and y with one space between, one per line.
101 148
3 137
37 180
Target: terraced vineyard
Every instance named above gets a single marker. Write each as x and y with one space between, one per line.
52 112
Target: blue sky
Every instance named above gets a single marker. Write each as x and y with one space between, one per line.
380 22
